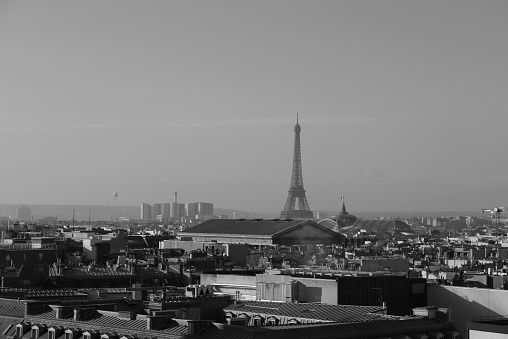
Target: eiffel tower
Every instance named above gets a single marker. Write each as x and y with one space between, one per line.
296 190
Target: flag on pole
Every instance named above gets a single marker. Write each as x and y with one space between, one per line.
342 197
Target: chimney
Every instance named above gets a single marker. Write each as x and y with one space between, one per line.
137 293
155 322
175 196
59 312
195 327
78 314
426 311
82 313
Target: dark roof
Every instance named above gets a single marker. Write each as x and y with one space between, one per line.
12 308
371 329
336 313
264 227
382 225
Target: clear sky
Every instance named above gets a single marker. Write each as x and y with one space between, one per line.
403 104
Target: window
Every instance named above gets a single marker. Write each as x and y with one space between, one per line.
272 321
41 256
25 257
8 257
293 322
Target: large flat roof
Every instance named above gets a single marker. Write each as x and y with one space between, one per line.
265 227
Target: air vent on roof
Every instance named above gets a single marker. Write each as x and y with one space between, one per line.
276 219
241 219
286 220
256 220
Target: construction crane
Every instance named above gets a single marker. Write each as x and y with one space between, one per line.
496 213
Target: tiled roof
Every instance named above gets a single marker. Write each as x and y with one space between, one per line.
114 327
109 290
92 271
6 323
246 226
110 321
12 307
336 313
32 293
372 329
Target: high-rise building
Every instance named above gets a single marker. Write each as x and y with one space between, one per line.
175 208
166 210
156 210
191 209
296 190
146 211
205 208
181 210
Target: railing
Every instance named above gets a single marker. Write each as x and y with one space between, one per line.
14 247
492 318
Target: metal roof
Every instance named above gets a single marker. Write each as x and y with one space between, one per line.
371 329
315 311
258 227
382 225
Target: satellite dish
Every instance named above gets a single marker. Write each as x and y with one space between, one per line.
115 195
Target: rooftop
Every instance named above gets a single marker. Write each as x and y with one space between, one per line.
245 226
316 311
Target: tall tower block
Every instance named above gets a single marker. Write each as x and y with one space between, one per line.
296 190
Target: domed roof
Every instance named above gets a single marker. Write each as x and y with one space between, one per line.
344 218
382 226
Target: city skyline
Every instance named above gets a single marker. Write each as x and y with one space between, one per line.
402 104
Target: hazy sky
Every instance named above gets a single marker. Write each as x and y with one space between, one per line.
403 104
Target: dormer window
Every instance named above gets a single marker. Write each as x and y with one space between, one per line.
35 333
257 320
272 321
293 322
19 331
68 335
51 334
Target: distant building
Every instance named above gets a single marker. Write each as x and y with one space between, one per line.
146 211
166 210
379 226
321 215
175 208
205 208
156 210
263 232
345 219
24 213
191 209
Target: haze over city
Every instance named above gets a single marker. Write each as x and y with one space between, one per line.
402 105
